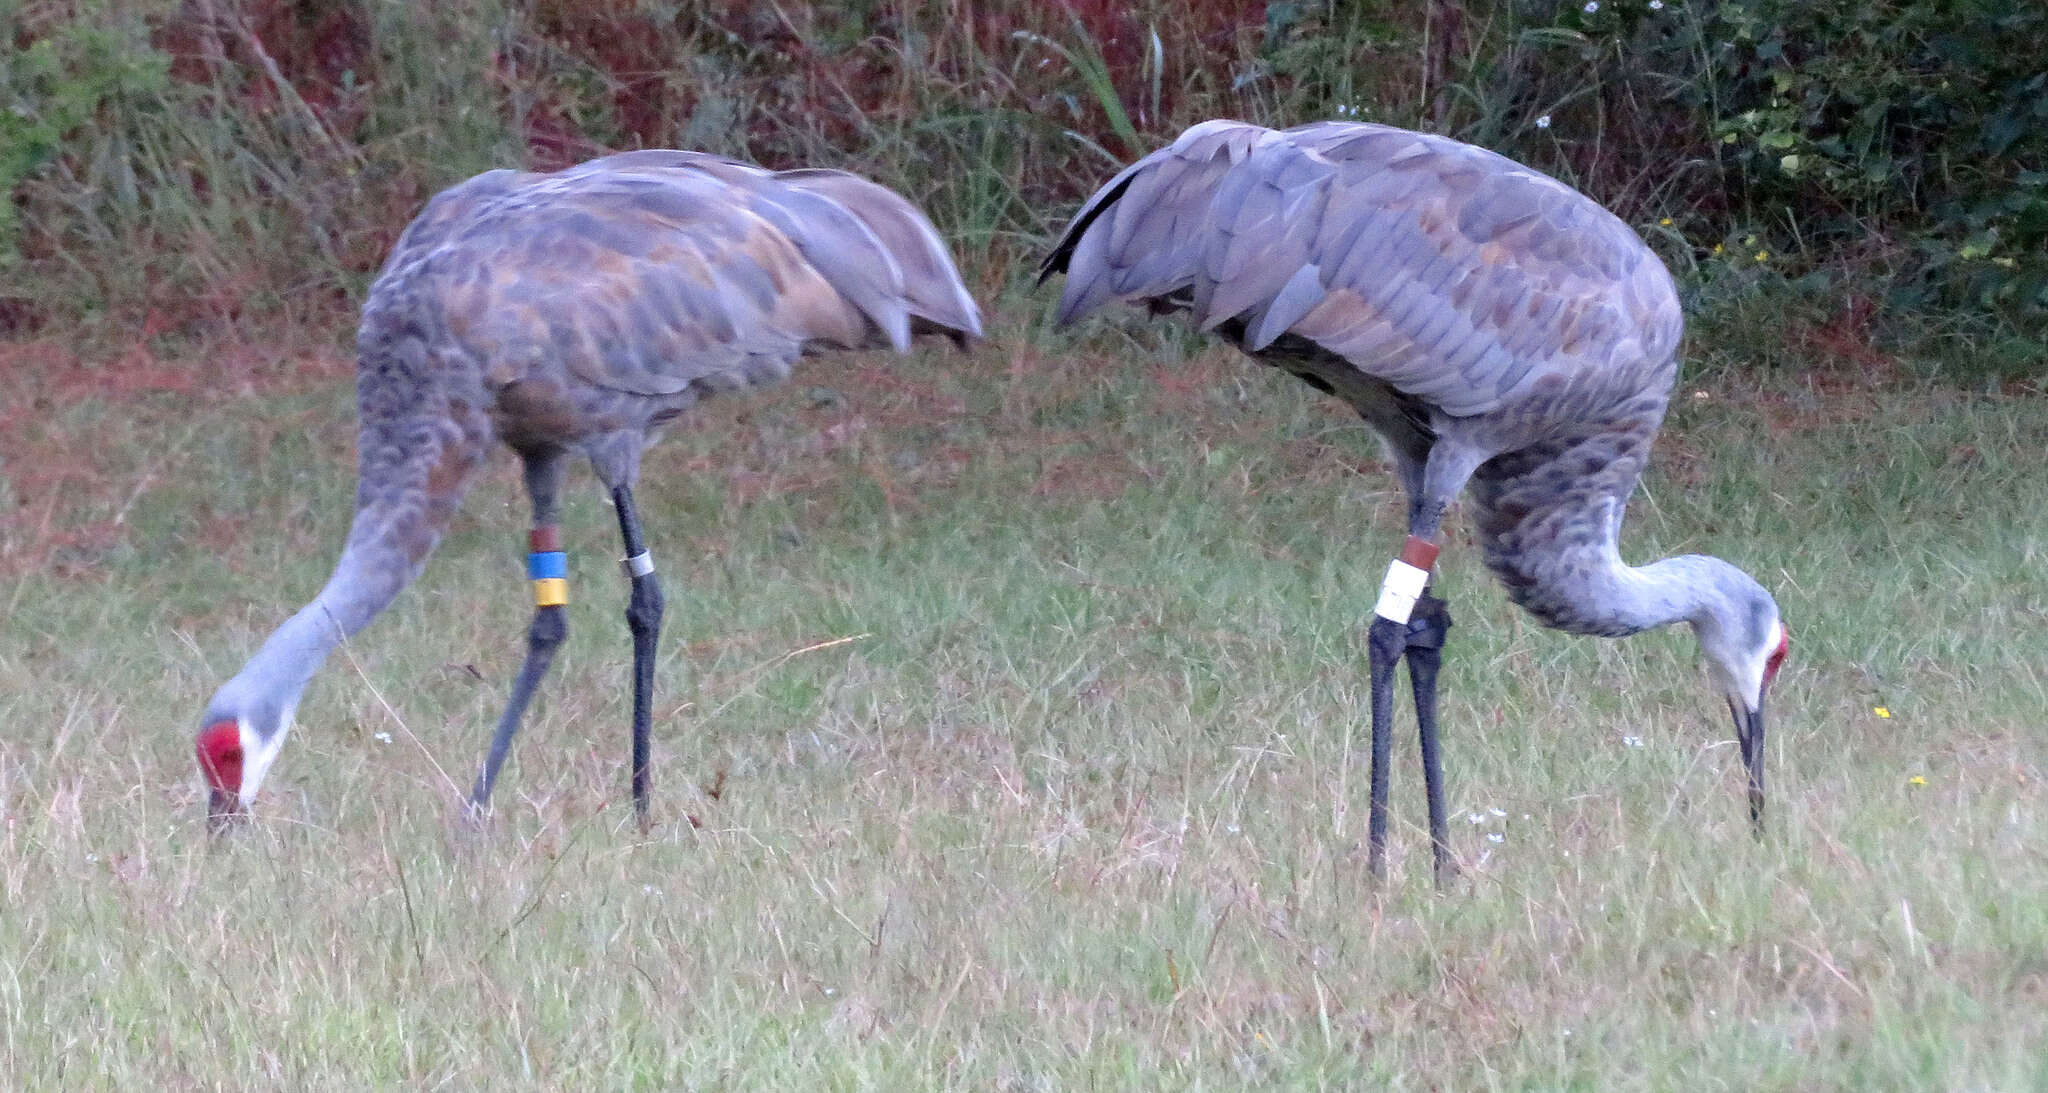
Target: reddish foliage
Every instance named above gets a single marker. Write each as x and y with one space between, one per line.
320 50
1846 338
63 482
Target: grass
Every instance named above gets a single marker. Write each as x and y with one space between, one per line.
1010 736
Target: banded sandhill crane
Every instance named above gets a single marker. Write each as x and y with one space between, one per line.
1497 329
573 314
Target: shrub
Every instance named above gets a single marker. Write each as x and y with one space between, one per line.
212 159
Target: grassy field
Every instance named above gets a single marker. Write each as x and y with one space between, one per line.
1010 726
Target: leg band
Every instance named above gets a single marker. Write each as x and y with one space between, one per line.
1419 552
549 571
1398 593
639 565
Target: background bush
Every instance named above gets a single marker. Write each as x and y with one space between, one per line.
187 165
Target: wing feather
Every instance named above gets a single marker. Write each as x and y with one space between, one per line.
932 288
655 271
1456 275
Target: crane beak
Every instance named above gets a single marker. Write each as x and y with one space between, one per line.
222 810
1749 733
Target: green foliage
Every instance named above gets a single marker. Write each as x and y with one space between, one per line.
186 170
77 75
1901 126
201 162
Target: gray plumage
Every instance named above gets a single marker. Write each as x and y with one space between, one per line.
576 312
1495 327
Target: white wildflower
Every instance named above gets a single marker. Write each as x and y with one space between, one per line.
1495 837
383 738
1497 813
1592 6
1656 5
1632 741
1543 122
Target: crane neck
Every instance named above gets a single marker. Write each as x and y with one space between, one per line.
267 689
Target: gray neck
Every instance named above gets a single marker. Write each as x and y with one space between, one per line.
1687 588
267 689
1580 585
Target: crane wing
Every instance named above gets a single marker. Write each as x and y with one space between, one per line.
1451 273
652 272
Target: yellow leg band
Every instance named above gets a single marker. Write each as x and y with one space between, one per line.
550 592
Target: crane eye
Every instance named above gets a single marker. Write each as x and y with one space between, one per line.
1777 657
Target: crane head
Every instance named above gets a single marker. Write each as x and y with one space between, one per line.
1742 638
1745 643
234 754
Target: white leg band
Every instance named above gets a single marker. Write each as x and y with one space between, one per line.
1398 593
639 565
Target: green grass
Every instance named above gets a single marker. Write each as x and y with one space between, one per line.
1009 736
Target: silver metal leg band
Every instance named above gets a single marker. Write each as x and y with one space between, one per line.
639 565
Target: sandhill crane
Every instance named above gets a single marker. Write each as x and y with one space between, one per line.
574 313
1496 328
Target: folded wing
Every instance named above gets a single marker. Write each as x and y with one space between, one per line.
651 272
1447 271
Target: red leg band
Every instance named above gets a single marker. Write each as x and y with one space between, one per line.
1419 552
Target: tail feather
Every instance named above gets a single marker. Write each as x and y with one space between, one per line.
846 251
931 284
1145 234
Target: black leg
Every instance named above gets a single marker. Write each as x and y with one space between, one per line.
643 618
550 626
1385 643
1427 630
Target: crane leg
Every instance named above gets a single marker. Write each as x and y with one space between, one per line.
1421 641
1427 629
550 622
1385 642
1394 634
643 618
549 627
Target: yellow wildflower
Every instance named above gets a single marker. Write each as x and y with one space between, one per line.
1882 711
1763 256
1664 223
1916 780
